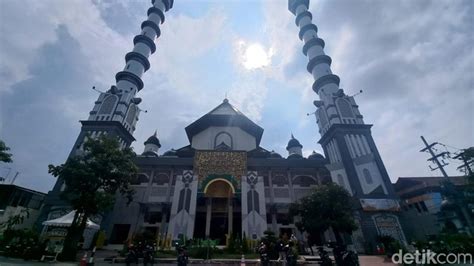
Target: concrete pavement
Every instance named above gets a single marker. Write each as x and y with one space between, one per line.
364 261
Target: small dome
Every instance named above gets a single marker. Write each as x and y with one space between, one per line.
153 140
171 153
293 143
294 156
150 154
315 155
274 154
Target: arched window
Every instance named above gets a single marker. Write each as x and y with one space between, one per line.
131 114
160 179
344 108
340 180
108 105
367 176
304 181
139 179
223 137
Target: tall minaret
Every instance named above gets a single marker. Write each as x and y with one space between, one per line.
354 161
118 107
116 111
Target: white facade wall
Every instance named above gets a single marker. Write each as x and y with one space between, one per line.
342 172
253 223
375 174
183 222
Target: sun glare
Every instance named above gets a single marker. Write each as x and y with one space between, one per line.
254 56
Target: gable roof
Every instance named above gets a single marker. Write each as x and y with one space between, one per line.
226 115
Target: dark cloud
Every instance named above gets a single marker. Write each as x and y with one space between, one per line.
39 114
414 61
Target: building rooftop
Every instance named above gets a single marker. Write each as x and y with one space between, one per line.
405 185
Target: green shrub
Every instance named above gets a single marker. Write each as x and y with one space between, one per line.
270 240
22 244
448 243
245 244
203 249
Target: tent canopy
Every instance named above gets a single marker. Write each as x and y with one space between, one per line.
66 221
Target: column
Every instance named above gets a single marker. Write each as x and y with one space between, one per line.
230 216
273 212
208 216
165 208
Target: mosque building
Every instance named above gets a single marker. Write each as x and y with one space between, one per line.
223 181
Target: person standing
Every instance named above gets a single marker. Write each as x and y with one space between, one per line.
280 247
291 254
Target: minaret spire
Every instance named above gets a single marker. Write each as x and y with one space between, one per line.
326 84
144 44
319 63
115 112
354 161
119 103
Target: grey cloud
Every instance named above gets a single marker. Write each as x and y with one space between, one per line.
414 61
35 123
123 16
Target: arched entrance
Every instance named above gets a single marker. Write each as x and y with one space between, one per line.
218 211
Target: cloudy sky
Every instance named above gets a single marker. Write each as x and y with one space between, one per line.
414 60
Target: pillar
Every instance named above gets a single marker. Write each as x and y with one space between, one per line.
208 216
230 216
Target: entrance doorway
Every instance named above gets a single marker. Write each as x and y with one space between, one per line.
218 213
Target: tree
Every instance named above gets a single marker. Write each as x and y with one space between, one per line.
245 245
329 206
463 199
4 155
14 220
467 158
92 178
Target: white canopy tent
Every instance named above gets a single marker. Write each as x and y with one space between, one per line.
66 221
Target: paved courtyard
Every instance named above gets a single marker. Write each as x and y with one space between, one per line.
364 260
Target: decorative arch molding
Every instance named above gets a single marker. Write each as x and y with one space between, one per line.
140 178
300 179
204 183
108 105
218 138
132 112
345 108
367 176
217 180
160 179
